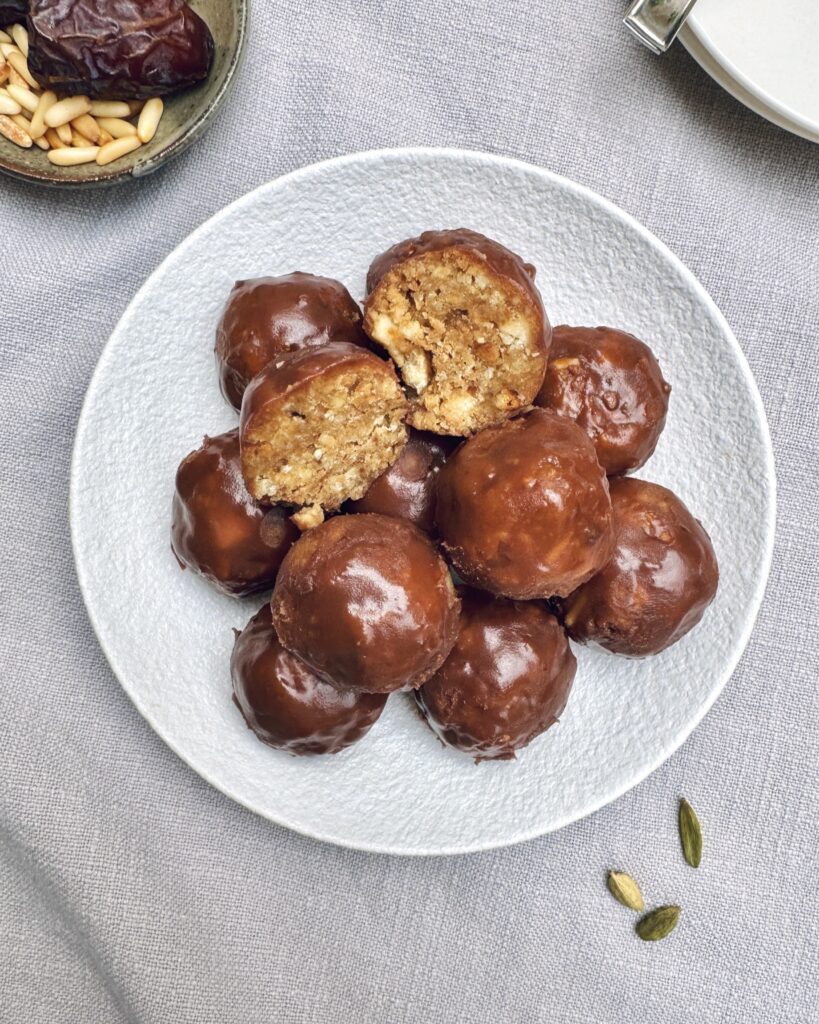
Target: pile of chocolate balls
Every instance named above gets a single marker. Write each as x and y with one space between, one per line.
437 494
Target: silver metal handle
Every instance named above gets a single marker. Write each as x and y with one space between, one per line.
657 22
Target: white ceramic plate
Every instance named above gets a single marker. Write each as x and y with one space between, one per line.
765 53
168 635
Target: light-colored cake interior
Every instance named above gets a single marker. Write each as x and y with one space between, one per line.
327 441
465 341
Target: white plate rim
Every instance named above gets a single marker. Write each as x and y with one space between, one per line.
719 75
803 126
672 743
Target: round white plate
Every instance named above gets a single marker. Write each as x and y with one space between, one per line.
765 53
168 635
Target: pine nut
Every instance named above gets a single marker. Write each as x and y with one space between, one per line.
25 124
54 139
73 130
118 148
79 141
4 37
149 119
14 133
20 36
87 126
8 106
116 126
66 110
20 65
38 125
110 108
25 97
8 47
15 78
73 157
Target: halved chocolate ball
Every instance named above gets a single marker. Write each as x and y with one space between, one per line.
318 425
464 322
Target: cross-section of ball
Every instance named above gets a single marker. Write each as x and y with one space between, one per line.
464 322
319 425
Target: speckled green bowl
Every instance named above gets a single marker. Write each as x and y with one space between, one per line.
186 117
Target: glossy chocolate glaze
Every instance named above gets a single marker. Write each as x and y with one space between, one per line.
611 385
286 704
270 315
367 602
506 681
662 576
407 489
218 530
523 509
500 260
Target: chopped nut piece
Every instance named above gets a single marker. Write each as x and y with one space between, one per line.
308 517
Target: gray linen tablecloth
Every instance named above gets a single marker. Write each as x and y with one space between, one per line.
131 890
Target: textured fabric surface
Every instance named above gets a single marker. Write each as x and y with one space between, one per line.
131 890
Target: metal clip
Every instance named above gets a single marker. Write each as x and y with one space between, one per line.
657 22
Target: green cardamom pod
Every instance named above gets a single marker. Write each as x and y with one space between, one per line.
625 890
690 834
658 923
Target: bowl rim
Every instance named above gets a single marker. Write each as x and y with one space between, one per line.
190 133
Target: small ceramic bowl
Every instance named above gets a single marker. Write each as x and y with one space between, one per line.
186 116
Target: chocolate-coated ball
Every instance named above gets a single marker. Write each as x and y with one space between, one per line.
611 385
523 509
367 602
270 315
407 489
661 577
286 704
218 530
506 681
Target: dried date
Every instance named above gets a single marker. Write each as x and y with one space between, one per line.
13 12
123 49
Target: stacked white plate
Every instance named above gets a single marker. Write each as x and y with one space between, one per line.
765 53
